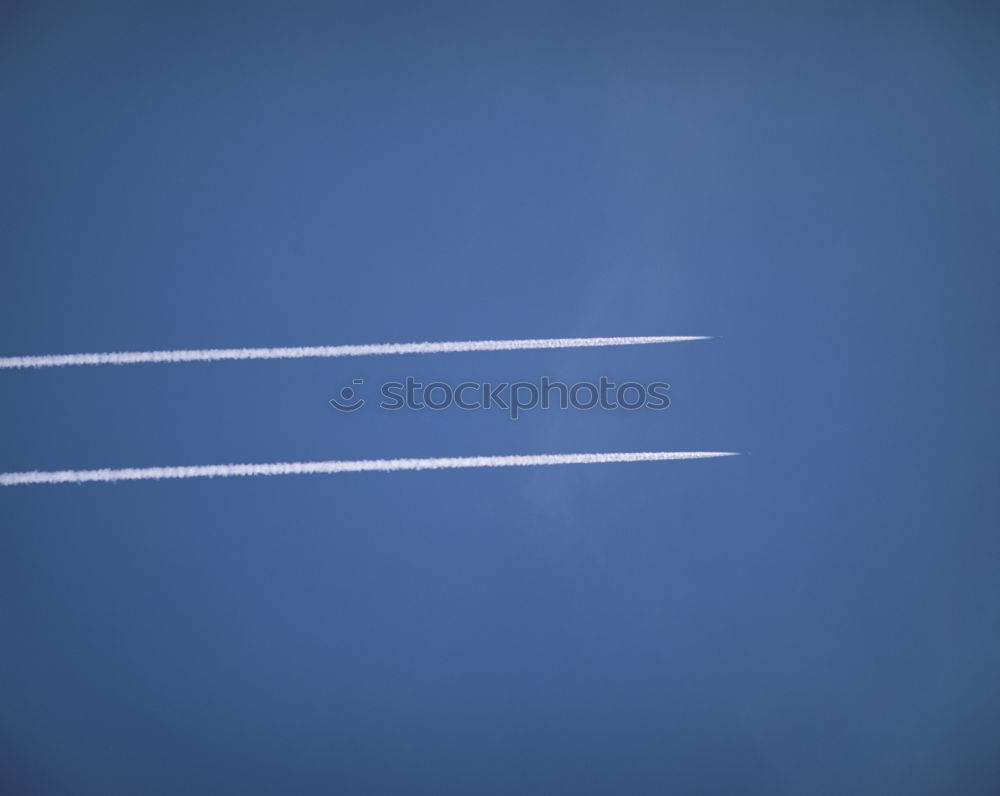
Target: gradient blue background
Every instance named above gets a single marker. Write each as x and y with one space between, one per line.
819 183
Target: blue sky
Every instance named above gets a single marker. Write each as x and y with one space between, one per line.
820 185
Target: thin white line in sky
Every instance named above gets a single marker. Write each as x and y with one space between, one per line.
345 466
218 354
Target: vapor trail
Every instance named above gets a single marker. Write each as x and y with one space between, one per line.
216 354
355 466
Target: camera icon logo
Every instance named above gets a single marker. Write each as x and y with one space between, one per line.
348 402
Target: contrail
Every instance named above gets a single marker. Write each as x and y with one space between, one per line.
348 466
216 354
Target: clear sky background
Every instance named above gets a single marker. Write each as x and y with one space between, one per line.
817 182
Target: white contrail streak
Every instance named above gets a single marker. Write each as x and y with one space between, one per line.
355 466
216 354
